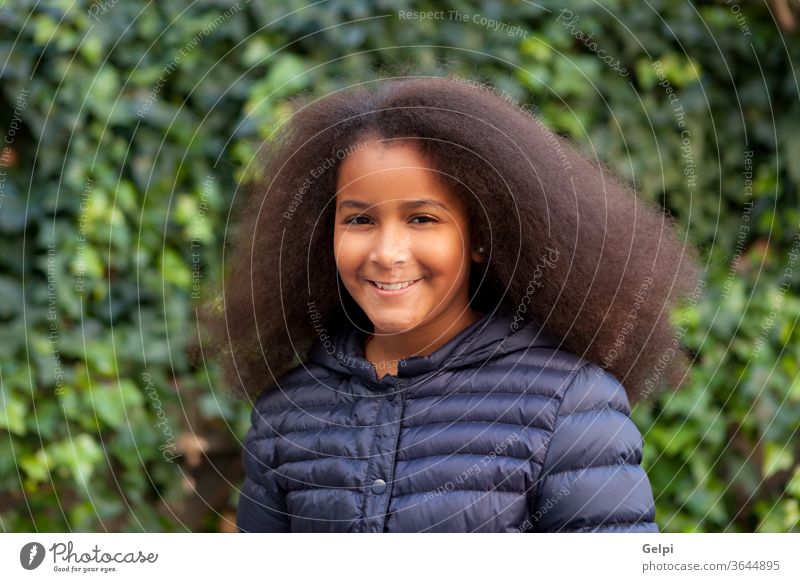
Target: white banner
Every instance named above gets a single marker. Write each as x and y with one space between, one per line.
348 557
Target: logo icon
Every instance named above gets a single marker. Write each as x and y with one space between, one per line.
31 555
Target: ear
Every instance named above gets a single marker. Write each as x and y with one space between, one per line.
476 256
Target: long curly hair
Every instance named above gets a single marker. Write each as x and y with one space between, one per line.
568 243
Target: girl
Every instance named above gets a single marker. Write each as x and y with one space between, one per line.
443 312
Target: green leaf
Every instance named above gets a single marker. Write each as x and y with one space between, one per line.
79 455
793 487
12 415
777 457
115 405
36 466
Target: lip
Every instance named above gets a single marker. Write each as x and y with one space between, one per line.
393 293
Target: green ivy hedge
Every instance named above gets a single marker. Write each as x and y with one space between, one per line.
127 129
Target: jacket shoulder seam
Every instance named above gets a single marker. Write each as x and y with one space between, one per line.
605 407
593 467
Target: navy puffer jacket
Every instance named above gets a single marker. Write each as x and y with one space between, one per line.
496 431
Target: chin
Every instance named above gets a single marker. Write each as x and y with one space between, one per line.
393 324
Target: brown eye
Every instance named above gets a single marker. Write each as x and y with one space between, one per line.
350 219
425 216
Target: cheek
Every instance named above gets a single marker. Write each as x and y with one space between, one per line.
346 252
445 256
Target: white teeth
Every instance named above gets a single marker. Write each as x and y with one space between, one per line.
394 286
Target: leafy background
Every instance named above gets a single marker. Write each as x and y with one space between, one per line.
128 126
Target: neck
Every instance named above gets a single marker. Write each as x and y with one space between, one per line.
384 351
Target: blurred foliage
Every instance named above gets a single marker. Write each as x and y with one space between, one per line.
127 129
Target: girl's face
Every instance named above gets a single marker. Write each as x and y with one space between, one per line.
397 223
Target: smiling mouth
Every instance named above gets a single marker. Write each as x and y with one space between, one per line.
393 286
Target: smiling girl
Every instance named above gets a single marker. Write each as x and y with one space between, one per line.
443 313
400 242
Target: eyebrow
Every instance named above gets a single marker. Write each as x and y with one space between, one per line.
411 204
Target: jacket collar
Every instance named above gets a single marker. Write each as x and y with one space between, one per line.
491 336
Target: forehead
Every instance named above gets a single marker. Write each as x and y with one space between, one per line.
385 171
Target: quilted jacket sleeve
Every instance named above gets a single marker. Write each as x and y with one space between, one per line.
262 503
592 479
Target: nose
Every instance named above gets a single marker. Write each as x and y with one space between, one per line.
392 246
